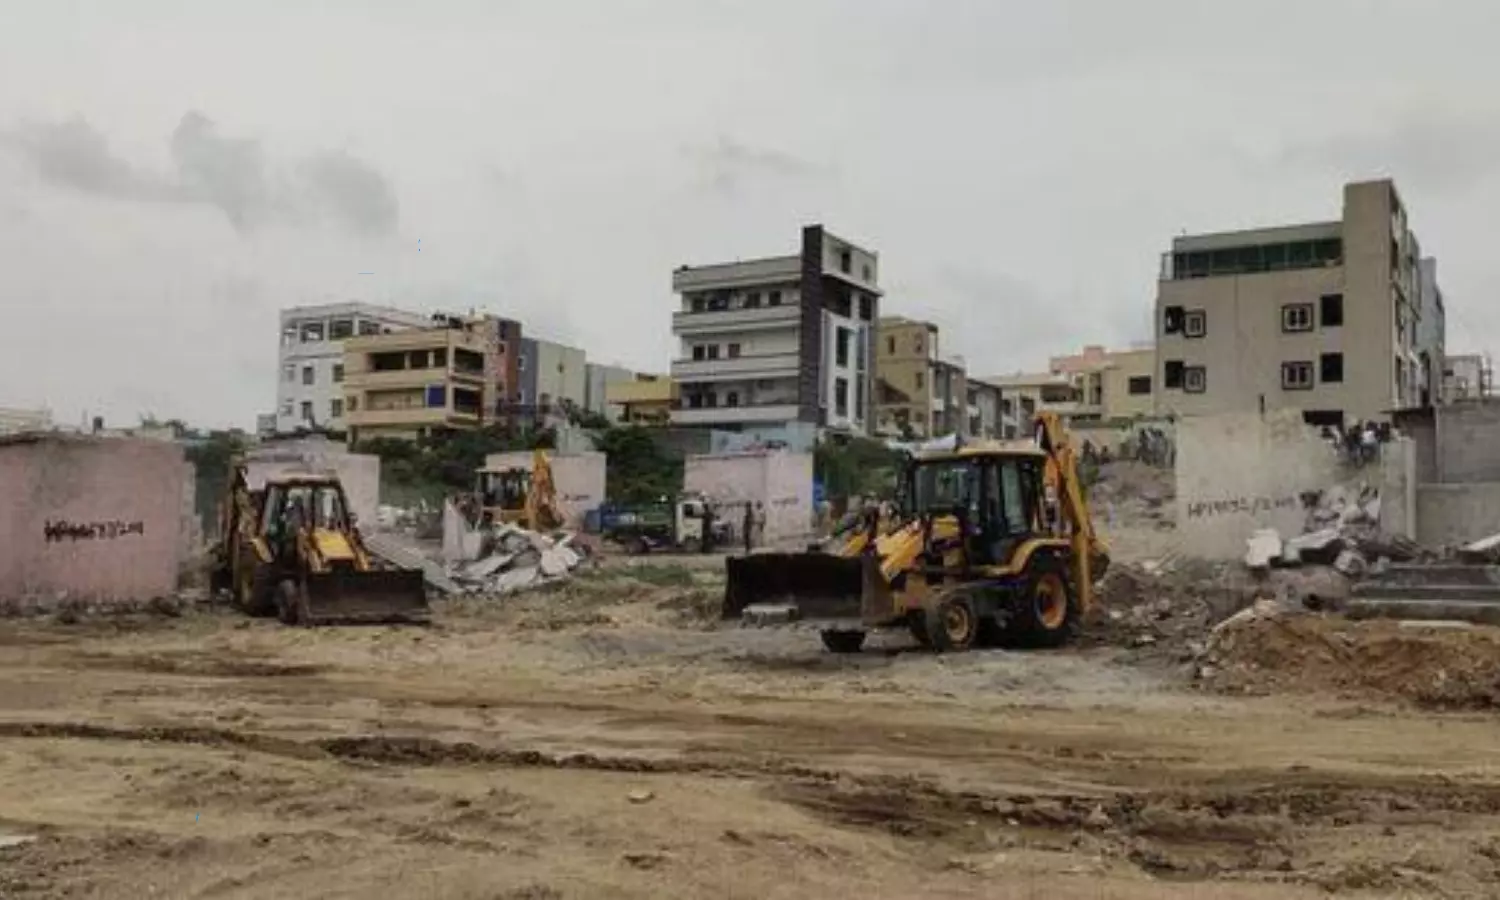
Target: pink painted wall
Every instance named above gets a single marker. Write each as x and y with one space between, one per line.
98 519
780 480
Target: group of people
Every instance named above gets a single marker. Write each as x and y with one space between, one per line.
1359 444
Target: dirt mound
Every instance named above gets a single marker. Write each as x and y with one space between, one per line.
1166 615
1441 668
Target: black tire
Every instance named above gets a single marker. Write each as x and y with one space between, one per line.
991 632
291 606
916 623
256 595
1047 613
841 641
953 626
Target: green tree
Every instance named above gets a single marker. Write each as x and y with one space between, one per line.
639 470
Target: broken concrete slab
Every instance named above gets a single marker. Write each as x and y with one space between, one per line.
1486 549
1262 548
1320 547
1351 563
515 580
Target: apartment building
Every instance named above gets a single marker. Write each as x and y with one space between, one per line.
1467 376
918 391
410 384
1023 394
597 380
645 400
779 342
1111 384
15 421
1432 334
983 409
310 363
1321 317
553 379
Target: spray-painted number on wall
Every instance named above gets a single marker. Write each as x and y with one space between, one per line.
64 530
1200 509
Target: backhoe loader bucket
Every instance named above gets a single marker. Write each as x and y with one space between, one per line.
820 585
352 597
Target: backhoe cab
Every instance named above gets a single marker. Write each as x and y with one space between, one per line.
519 496
994 542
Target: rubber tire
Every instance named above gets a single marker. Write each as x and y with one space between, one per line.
1027 627
991 633
937 632
262 600
916 623
290 608
839 641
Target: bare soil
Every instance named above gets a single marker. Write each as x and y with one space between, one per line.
609 738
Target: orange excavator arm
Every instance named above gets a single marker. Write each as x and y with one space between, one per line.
542 512
1061 477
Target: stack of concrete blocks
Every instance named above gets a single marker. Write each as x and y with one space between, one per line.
578 478
780 480
358 472
1239 473
93 519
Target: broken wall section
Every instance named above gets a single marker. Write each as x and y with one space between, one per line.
99 519
1241 472
780 480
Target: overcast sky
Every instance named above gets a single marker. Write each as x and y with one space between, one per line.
173 173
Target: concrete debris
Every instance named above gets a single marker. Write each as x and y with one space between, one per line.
510 559
1351 563
1258 611
1264 548
1321 547
1484 550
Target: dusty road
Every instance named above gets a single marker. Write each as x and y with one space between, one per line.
604 741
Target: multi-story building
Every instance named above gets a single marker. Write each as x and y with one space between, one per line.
15 421
1467 376
781 342
984 409
646 400
1112 384
1024 394
1320 317
596 390
919 391
409 384
1432 335
310 364
554 379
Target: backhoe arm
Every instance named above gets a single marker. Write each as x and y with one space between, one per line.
1062 475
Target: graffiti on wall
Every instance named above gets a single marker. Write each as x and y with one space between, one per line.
1245 505
64 530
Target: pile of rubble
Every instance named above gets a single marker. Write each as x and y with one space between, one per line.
1342 530
508 559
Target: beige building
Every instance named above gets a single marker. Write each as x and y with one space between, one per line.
1112 384
918 391
1467 376
409 384
1320 317
1023 394
647 400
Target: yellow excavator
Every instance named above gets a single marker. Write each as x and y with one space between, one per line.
520 496
290 548
994 543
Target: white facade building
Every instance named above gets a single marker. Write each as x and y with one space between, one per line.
778 343
310 362
14 421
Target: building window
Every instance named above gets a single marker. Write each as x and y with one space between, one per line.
437 396
1331 310
1296 376
308 376
890 346
1194 323
734 351
732 398
859 399
338 373
338 329
1171 320
713 351
865 273
697 302
289 373
286 407
1194 379
521 362
307 413
866 307
710 399
353 404
695 401
312 332
1331 368
773 298
841 397
752 300
1172 374
700 351
1297 317
921 380
846 261
336 408
1139 384
365 326
841 348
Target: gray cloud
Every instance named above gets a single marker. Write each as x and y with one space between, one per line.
230 174
729 162
1427 148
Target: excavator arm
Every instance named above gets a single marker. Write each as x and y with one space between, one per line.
1090 556
542 511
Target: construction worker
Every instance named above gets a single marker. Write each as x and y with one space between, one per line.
749 526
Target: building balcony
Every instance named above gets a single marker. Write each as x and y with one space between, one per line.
411 378
729 321
738 368
434 416
735 415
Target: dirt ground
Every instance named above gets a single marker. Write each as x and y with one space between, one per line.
608 739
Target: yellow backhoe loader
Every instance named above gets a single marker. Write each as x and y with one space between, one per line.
519 496
290 548
994 543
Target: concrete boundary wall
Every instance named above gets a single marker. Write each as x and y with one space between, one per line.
781 480
98 519
1456 514
1237 472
